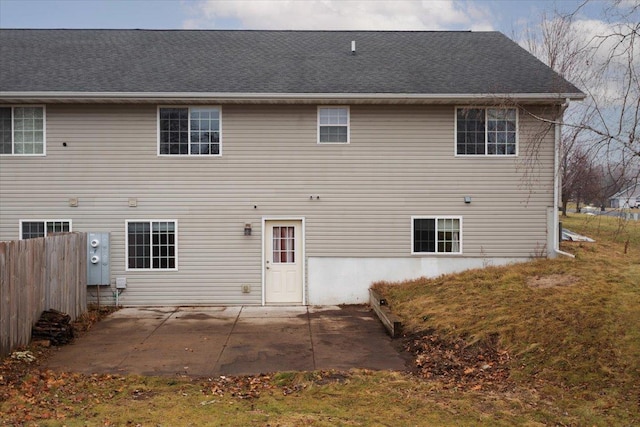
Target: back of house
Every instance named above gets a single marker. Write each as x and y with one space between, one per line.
278 167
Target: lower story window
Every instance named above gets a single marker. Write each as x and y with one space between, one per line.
151 245
436 235
32 229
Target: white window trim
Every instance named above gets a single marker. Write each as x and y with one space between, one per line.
484 107
318 124
189 107
45 224
44 131
126 245
436 218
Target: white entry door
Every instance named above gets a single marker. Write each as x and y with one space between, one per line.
283 262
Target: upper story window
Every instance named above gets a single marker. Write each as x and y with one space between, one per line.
31 229
333 125
436 235
189 131
486 131
22 130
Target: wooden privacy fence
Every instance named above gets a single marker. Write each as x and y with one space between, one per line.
37 275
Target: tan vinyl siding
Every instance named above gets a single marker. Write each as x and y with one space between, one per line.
400 162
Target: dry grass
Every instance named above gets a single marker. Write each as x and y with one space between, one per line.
355 398
576 341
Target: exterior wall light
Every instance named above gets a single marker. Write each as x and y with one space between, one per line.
247 229
467 199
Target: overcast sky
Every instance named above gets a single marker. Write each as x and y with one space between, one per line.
502 15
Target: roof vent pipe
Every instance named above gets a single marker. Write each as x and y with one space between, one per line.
353 47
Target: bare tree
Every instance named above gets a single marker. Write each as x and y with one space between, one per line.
601 136
620 51
576 175
611 179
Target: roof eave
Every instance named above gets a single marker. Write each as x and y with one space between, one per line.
282 98
631 191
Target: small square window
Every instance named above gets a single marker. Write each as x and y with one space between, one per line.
333 125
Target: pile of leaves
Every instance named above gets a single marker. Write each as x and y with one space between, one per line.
48 395
13 369
251 387
458 364
247 387
93 315
26 361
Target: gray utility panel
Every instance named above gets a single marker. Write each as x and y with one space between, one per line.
98 267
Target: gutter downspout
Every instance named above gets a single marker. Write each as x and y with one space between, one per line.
556 184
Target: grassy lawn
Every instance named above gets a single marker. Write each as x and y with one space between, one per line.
549 342
570 326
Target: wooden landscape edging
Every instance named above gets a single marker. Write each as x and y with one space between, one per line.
390 321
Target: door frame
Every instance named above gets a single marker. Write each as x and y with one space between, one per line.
302 248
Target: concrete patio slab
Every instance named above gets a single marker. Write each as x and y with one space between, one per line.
273 311
258 353
86 362
214 312
206 341
271 326
339 351
167 356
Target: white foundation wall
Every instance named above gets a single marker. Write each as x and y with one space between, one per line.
347 280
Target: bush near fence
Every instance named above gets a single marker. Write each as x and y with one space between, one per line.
37 275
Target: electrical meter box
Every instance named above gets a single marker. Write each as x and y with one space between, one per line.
98 263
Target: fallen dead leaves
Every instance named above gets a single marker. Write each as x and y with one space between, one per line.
239 387
251 387
47 395
93 315
37 394
14 368
458 364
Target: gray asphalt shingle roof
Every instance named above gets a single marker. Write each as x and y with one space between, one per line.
271 62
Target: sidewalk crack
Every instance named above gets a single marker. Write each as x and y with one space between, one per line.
216 367
313 350
128 354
